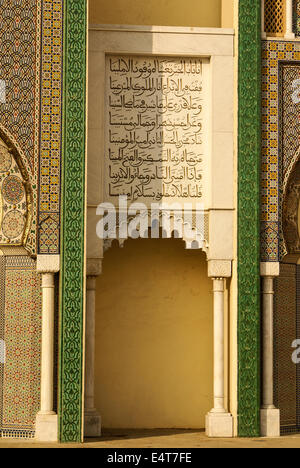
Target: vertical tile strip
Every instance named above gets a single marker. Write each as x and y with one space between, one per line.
2 331
298 337
73 222
249 85
50 127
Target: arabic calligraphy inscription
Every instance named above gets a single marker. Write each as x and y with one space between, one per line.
155 128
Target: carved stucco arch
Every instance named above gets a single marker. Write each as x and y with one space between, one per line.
291 215
15 195
168 231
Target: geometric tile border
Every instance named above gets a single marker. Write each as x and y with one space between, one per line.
50 125
20 319
275 160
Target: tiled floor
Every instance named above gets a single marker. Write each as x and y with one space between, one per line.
162 439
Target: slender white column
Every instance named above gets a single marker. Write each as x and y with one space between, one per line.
92 419
46 419
289 20
267 338
219 423
269 415
90 343
263 32
47 364
218 290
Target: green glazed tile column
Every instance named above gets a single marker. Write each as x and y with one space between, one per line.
73 222
249 138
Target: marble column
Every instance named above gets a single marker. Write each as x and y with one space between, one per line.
92 419
289 34
46 419
219 423
263 32
270 416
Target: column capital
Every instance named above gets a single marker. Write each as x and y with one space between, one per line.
219 269
48 263
93 266
270 269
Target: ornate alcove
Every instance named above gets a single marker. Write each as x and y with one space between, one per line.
15 201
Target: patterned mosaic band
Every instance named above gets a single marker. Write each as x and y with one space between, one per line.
279 140
73 223
20 328
50 127
30 115
248 218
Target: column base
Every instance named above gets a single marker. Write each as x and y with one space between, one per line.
92 424
270 422
219 425
290 36
46 427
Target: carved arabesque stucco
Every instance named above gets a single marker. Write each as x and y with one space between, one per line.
290 214
165 226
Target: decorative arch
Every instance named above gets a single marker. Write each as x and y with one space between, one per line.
290 214
15 196
168 225
290 169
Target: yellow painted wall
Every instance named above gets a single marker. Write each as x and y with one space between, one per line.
228 13
194 13
154 319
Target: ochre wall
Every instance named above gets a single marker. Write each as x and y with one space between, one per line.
227 13
154 319
194 13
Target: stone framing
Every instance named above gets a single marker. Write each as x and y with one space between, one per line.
249 143
72 284
73 219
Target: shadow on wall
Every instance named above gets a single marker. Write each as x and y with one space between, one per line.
154 326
